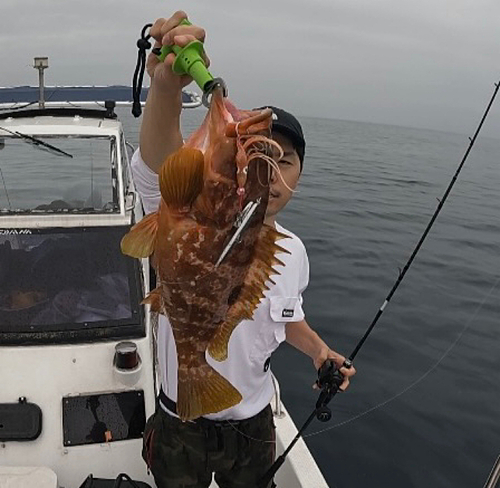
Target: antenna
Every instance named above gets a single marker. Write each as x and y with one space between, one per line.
40 64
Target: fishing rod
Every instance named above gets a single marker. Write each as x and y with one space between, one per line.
329 376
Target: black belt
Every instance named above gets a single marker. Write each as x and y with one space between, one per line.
168 403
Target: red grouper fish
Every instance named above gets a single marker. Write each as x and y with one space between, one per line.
204 185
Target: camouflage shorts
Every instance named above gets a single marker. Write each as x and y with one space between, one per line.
186 454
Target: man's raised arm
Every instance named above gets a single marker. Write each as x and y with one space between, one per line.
160 129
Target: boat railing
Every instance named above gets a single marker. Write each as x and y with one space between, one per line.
494 477
130 146
277 410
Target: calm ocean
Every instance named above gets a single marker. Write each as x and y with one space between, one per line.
424 409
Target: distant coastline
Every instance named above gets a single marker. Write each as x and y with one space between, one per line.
78 93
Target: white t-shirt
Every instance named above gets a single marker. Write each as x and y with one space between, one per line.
252 341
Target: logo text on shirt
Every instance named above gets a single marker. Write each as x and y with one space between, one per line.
287 312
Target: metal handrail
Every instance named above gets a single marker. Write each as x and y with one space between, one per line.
492 481
130 146
277 411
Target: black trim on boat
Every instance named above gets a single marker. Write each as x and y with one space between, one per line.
60 112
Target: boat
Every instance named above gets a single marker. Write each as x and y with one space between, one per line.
16 97
78 375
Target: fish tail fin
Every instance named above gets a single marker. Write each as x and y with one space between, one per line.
181 177
140 241
202 390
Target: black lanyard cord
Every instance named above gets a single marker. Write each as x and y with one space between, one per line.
143 44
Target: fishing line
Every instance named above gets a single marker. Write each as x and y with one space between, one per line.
424 376
404 390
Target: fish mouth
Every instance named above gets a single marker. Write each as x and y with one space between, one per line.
273 194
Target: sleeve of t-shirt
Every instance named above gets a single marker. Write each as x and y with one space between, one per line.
146 183
304 273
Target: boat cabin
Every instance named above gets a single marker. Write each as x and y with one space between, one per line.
77 367
77 380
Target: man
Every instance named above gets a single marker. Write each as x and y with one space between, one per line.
237 444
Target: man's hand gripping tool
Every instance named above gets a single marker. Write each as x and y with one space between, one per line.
189 61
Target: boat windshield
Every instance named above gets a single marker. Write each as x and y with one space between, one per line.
34 178
72 283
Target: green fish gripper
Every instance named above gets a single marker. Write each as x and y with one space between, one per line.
189 61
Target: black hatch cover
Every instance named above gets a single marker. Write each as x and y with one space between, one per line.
107 417
20 421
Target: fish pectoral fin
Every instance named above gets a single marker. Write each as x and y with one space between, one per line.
202 390
154 299
252 291
140 241
181 177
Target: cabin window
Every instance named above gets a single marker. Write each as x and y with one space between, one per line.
35 178
67 285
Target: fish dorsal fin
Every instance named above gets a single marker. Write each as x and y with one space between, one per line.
252 291
140 241
181 177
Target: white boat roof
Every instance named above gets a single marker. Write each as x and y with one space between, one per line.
59 125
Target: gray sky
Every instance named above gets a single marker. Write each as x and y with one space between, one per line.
422 63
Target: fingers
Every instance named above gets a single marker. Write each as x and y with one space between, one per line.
337 358
196 32
327 353
339 361
348 372
343 387
165 30
183 41
169 32
162 26
155 31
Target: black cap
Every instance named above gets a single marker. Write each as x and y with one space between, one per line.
285 123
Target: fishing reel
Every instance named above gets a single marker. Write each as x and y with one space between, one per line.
329 381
